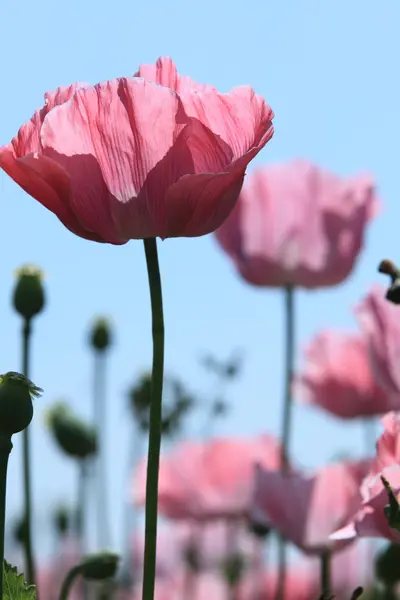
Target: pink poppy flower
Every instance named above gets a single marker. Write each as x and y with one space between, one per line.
337 377
307 509
296 224
212 480
369 519
380 321
138 157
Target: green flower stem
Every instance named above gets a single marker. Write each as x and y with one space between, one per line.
326 584
29 558
153 458
5 449
81 508
103 526
287 419
68 581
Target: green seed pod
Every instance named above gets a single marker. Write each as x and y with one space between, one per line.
61 520
19 531
16 408
101 565
29 298
74 437
100 335
259 530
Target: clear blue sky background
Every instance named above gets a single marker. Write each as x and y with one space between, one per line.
329 71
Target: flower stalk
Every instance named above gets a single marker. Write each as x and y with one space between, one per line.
153 459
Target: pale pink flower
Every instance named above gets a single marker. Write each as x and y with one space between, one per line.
308 509
130 158
369 519
337 377
297 224
211 480
380 321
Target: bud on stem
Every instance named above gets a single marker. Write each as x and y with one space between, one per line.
95 567
389 268
16 411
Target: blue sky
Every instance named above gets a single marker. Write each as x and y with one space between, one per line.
329 71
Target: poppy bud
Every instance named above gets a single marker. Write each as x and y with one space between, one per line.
29 296
16 408
392 510
101 565
100 335
19 531
259 530
74 437
389 268
61 520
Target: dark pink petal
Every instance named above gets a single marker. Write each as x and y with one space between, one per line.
109 138
46 181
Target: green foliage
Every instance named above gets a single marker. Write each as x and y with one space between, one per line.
14 585
177 402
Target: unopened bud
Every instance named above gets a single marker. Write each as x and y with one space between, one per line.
29 298
259 530
389 268
16 408
392 510
101 565
61 520
100 335
74 437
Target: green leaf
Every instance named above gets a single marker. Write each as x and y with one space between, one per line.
14 585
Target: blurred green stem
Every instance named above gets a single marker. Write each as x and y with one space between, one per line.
326 574
287 418
68 581
5 449
100 418
83 478
29 558
81 516
153 458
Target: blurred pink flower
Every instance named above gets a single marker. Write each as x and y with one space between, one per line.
301 583
130 159
337 377
212 480
307 509
350 568
205 586
380 320
298 224
210 540
369 520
